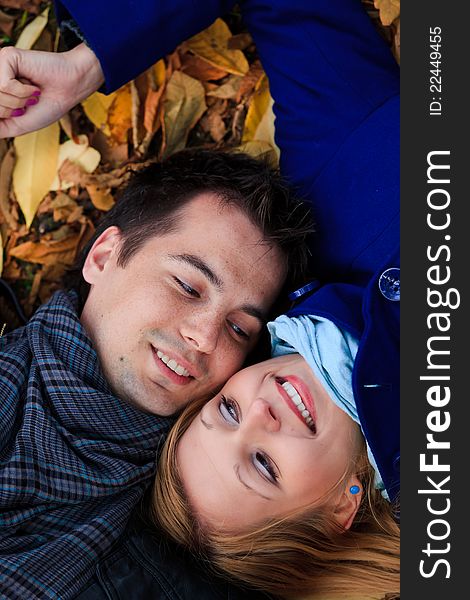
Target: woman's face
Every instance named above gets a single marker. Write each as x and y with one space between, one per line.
250 454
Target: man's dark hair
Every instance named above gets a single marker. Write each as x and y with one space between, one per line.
153 199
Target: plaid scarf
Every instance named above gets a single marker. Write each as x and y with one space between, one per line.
74 459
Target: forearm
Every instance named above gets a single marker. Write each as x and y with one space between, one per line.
128 37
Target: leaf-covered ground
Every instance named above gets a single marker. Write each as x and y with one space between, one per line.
55 184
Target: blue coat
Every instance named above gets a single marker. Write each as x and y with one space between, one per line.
336 91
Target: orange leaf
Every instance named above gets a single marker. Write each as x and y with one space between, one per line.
47 252
101 197
120 115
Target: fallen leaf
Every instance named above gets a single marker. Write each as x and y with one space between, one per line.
120 115
250 80
184 105
151 110
241 41
46 252
389 10
35 168
80 154
6 23
197 67
261 150
212 45
1 253
228 90
96 108
31 32
259 122
31 6
6 171
101 197
159 73
213 123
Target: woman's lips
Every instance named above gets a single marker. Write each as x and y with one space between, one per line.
297 396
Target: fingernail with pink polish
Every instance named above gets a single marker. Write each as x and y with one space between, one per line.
36 93
32 101
18 112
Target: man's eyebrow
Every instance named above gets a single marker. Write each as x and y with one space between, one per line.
200 265
254 311
236 468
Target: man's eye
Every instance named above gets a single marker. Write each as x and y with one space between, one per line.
187 288
229 410
265 467
238 331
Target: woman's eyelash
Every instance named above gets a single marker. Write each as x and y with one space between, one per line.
228 406
266 465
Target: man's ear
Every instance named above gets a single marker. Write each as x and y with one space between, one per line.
349 502
103 250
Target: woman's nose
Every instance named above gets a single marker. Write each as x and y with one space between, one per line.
261 415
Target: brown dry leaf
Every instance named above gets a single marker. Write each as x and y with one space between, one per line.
250 80
31 6
35 168
389 10
47 252
184 105
32 31
101 197
241 41
6 23
112 154
212 45
120 115
96 108
6 171
1 253
396 41
228 90
158 74
197 67
213 123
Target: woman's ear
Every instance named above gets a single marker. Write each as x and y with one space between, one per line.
104 248
349 502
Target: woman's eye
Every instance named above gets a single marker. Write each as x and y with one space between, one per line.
187 288
228 410
264 466
238 331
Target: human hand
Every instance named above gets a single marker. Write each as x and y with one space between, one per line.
63 79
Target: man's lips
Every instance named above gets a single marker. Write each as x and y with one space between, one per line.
306 399
169 372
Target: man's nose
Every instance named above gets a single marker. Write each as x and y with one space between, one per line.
261 416
202 332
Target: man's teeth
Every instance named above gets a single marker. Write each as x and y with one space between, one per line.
297 400
172 364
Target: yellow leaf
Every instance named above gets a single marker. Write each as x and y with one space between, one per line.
81 154
159 70
120 115
184 105
212 45
31 32
35 168
259 122
261 150
389 10
96 108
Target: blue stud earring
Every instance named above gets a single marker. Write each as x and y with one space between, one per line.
354 489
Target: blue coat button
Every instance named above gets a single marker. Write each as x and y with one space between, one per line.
389 284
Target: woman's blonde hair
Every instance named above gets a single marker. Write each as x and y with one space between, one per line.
306 553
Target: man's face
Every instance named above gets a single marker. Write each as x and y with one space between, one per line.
179 319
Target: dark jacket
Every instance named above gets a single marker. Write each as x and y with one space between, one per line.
145 567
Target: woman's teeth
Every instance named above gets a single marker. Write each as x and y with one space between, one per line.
172 364
297 400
